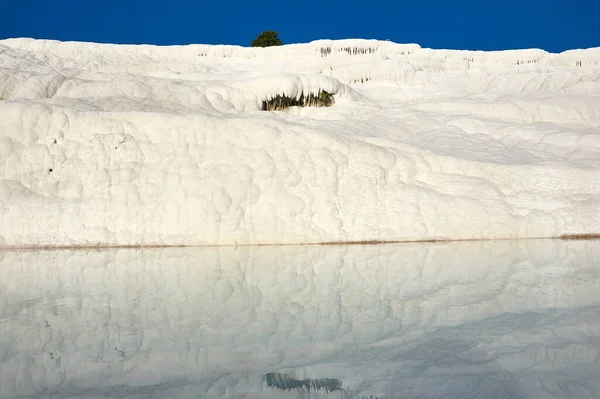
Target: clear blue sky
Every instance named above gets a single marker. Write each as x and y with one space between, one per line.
554 25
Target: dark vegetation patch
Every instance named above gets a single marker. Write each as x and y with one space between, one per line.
287 382
281 101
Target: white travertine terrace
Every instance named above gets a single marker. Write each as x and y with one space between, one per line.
145 145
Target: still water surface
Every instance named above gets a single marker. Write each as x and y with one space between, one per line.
513 319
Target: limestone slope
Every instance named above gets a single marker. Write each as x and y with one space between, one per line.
130 145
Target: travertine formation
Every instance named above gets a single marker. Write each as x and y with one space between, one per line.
144 145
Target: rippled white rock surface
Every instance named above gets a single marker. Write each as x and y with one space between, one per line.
105 144
513 319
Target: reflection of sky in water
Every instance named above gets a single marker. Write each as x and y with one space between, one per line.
478 319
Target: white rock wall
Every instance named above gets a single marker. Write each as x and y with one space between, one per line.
143 145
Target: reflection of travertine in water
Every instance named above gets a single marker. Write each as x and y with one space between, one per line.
503 319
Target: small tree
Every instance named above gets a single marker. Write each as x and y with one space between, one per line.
267 39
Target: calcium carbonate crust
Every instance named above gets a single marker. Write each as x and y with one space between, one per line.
145 145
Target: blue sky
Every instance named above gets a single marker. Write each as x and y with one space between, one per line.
554 25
